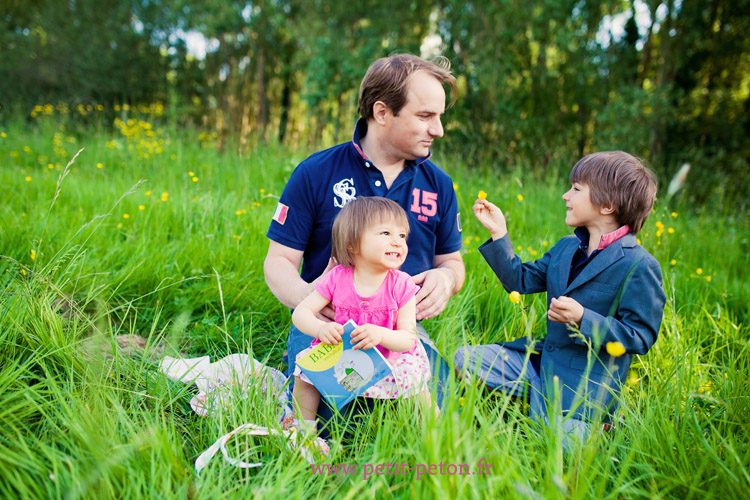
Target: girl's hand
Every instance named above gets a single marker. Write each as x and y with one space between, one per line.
491 218
367 336
330 333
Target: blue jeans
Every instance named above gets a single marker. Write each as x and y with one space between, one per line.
298 341
506 370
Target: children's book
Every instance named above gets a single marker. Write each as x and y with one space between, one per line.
340 373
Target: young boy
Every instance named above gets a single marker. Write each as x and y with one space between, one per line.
605 297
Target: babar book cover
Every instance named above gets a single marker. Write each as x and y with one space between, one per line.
340 373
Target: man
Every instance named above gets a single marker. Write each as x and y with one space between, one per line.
401 99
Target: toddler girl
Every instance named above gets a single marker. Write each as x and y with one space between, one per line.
369 244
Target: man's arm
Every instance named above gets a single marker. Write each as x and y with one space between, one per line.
439 284
281 270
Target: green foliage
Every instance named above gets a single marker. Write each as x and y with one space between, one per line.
541 82
82 417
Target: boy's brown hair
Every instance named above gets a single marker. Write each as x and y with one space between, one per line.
355 218
619 180
387 80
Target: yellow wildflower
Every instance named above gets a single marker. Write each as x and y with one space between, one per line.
4 135
638 240
190 174
141 207
33 254
672 262
699 270
670 230
467 240
119 225
482 195
236 237
514 297
125 216
674 214
545 243
520 197
195 179
148 193
28 178
708 278
23 272
533 253
659 224
461 401
455 186
615 349
99 165
164 196
659 233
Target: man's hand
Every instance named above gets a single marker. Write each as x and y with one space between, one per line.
437 288
367 336
565 310
330 333
491 218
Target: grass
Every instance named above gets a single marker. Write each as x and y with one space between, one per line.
81 418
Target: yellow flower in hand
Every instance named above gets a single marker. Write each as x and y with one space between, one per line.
615 349
514 297
482 195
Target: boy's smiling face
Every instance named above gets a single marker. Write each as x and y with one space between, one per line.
580 211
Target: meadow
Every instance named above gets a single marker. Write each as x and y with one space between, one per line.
154 231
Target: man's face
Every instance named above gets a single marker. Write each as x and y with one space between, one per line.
410 134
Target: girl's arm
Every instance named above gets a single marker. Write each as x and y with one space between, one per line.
306 321
401 339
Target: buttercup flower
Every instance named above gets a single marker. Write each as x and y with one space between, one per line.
514 297
28 178
672 262
148 193
33 254
125 216
482 195
195 179
670 230
455 186
674 214
615 349
699 270
141 207
99 165
708 278
520 197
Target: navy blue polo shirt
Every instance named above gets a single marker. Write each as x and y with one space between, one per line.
323 183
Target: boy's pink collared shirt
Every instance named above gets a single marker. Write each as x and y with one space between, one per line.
609 238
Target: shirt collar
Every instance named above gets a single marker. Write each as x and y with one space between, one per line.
607 239
360 130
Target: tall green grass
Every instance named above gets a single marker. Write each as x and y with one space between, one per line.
80 418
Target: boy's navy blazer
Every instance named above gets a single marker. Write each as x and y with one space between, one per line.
623 298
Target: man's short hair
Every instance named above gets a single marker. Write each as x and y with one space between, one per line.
619 180
387 80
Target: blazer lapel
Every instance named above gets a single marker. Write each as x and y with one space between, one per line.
602 261
563 269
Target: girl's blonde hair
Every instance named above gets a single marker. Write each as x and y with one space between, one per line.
355 218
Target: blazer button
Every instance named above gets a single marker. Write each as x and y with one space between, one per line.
549 347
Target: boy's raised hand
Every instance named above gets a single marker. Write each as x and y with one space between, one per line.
491 217
565 310
330 333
